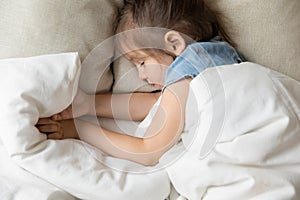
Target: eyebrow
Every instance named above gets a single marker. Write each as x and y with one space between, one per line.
135 57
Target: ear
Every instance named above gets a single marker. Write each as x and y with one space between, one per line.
174 42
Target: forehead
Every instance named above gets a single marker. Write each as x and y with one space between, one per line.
139 41
137 54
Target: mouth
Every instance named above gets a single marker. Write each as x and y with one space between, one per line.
154 84
159 86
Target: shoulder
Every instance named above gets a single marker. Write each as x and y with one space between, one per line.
177 89
213 46
223 49
199 56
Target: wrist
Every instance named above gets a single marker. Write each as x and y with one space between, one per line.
90 102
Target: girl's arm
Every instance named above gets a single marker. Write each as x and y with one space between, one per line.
131 106
162 134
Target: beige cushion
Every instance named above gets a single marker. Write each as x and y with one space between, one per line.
34 27
266 31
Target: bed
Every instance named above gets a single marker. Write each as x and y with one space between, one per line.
49 48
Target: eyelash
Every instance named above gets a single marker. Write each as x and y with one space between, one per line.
142 64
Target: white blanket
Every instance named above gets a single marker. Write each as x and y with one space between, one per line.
39 87
242 136
18 184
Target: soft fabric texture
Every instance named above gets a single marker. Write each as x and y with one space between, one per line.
266 32
241 138
199 56
37 87
25 97
19 184
33 88
255 156
34 27
249 115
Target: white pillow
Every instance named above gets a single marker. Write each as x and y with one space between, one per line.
32 88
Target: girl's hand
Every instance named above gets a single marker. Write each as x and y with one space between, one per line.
80 106
57 130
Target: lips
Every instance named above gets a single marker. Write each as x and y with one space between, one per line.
156 85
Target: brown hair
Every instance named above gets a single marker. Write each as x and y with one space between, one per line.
190 17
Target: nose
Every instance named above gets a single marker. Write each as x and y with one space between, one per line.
142 74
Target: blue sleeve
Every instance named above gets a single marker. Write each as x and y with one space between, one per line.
199 56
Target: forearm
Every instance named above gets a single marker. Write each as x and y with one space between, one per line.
117 145
163 132
133 106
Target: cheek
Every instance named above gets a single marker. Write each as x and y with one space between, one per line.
158 73
163 74
153 71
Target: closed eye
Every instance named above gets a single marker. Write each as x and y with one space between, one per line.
142 64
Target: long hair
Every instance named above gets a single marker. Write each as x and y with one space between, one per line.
190 17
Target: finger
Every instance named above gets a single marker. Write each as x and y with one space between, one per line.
55 136
67 114
56 117
43 121
49 128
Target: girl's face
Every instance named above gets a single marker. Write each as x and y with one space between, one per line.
151 68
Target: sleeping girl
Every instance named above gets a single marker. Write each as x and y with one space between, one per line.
170 42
